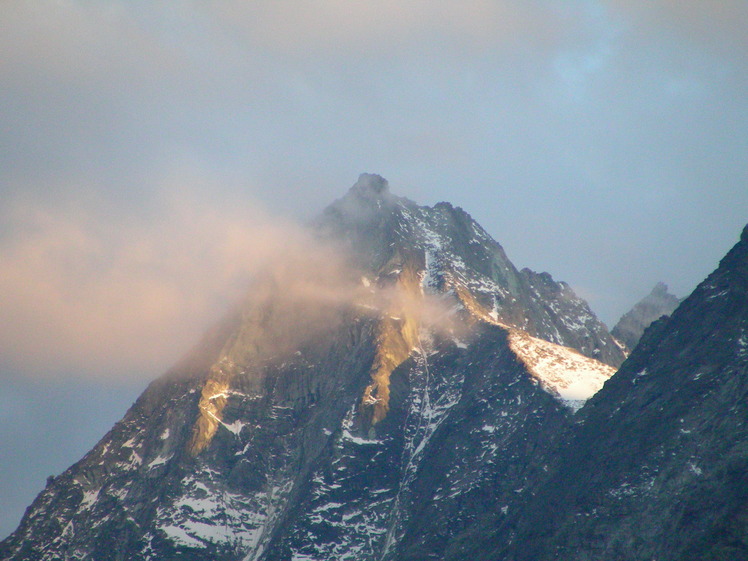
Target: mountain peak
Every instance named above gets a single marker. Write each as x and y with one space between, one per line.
659 289
317 451
371 186
632 324
364 206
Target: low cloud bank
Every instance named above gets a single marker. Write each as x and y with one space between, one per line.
91 292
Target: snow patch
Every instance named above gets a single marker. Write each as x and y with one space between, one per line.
159 460
562 372
460 344
742 344
130 443
179 536
347 435
235 427
89 498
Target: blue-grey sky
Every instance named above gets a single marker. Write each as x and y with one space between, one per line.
150 152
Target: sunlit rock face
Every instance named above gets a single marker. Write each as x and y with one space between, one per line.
390 420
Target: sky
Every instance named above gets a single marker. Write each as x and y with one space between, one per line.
153 153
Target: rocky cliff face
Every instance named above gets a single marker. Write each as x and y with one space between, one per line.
652 307
458 258
405 428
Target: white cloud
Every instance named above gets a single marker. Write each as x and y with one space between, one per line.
89 289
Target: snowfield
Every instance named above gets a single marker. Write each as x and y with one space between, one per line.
563 372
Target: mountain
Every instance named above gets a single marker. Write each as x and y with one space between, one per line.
389 412
458 257
632 324
656 464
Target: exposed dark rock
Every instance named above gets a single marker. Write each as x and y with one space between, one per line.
656 466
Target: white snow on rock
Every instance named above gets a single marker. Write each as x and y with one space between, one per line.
89 498
159 461
563 372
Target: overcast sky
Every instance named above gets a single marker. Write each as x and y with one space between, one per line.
146 147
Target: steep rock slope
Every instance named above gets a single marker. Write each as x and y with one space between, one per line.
461 259
411 414
144 493
652 307
656 467
464 420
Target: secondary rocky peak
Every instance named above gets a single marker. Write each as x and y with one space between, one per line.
371 185
632 324
660 289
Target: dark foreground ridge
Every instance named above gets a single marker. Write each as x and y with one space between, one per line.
657 466
392 435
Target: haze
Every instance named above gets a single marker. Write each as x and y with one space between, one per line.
152 152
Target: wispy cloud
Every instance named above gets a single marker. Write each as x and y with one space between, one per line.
628 110
90 289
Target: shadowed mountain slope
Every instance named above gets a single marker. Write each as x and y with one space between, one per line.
656 466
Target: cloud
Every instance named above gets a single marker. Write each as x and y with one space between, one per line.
386 28
90 289
712 24
95 290
75 42
515 102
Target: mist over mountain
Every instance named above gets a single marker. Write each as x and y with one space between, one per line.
403 391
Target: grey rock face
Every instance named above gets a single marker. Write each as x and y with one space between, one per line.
464 424
460 258
141 494
381 436
652 307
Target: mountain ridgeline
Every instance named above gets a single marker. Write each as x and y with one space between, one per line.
438 412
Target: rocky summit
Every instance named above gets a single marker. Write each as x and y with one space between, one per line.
439 409
652 307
